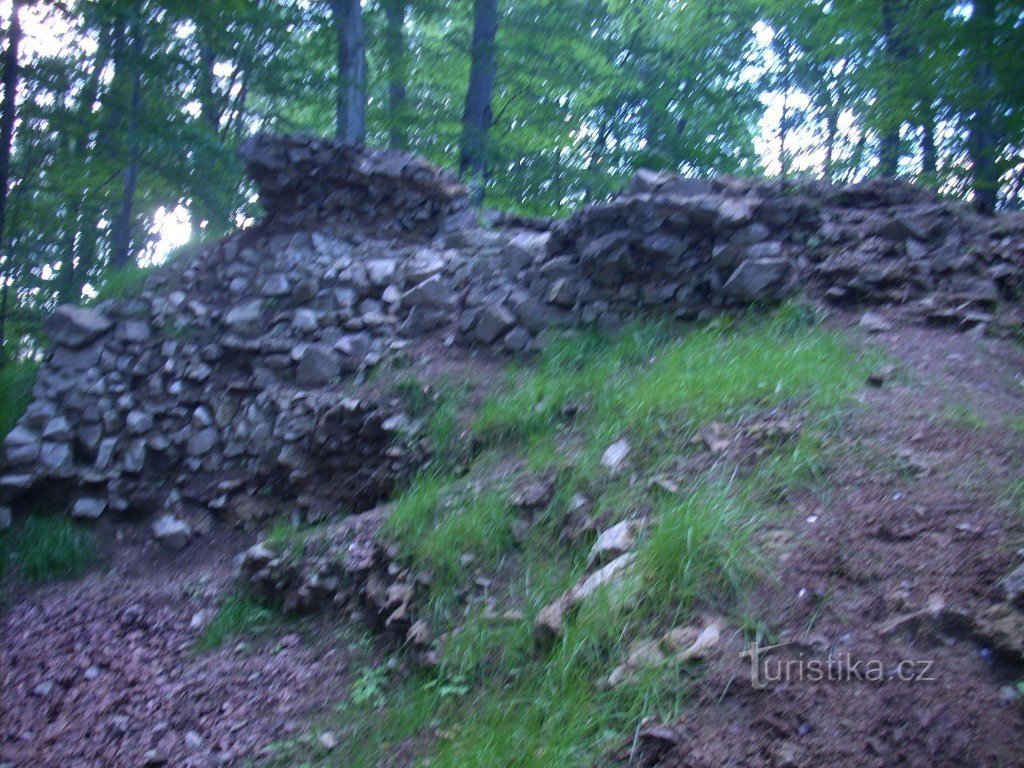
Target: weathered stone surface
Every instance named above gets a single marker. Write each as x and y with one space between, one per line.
759 278
317 366
76 327
493 322
88 508
615 541
1012 586
246 319
432 293
171 531
614 457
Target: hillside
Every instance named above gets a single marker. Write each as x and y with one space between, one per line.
382 480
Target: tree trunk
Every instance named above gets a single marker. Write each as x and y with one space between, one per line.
8 116
929 151
121 247
208 107
983 138
831 134
889 146
350 127
476 119
398 72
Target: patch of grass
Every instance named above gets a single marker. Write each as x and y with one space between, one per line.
1014 496
239 616
439 521
648 380
122 283
48 548
16 382
129 281
698 546
963 415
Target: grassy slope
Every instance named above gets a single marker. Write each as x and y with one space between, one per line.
496 699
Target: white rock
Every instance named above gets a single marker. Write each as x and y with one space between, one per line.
614 457
172 531
88 508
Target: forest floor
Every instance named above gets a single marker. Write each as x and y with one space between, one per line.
883 517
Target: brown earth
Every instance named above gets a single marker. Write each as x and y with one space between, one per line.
102 672
914 514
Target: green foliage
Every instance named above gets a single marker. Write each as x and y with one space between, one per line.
239 616
16 382
646 381
496 699
441 521
697 545
47 548
369 687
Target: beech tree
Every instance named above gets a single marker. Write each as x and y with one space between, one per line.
351 97
476 118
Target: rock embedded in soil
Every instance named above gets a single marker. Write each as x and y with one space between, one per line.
614 541
614 457
171 531
1012 586
88 508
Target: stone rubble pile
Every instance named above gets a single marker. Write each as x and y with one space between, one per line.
235 383
344 567
308 182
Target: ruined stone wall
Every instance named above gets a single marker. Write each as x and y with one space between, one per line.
231 383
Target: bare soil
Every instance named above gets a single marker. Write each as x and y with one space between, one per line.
102 672
914 514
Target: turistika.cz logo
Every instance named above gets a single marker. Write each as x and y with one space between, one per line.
839 667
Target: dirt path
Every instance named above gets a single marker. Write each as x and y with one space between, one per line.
914 516
102 673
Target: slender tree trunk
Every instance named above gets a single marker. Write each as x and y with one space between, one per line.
67 273
889 146
783 130
831 134
929 150
983 138
8 116
350 127
398 72
476 119
208 108
121 248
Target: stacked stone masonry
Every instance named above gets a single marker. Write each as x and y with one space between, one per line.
229 383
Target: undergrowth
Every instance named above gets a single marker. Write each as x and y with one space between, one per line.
237 618
16 382
497 699
47 548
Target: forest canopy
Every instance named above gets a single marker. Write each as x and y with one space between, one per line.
121 118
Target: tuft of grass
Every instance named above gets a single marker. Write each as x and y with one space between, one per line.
237 617
48 548
439 521
1013 495
16 382
130 280
698 547
960 414
122 283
